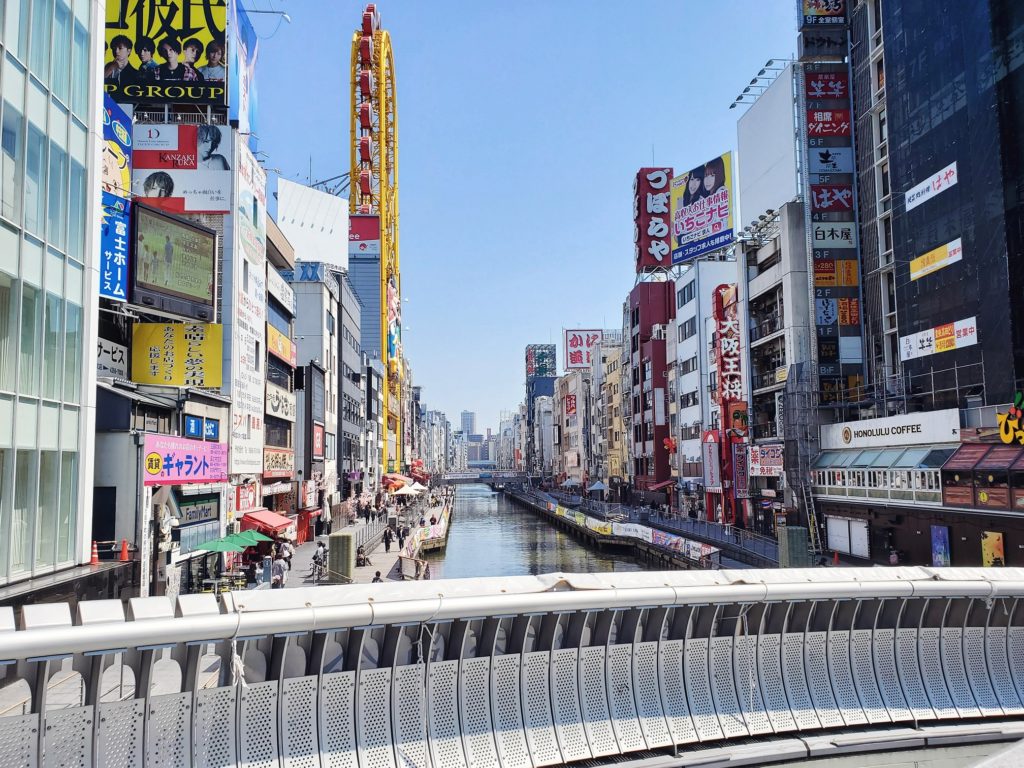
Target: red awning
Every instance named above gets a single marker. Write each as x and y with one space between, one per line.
266 520
1000 457
966 456
663 484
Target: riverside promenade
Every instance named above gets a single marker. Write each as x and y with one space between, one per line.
388 563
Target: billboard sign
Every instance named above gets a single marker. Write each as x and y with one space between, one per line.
111 359
177 354
579 344
278 287
183 168
318 442
829 160
166 52
766 460
278 462
712 462
828 122
248 314
829 235
364 235
280 403
570 405
171 460
116 170
540 360
936 259
942 338
652 213
727 345
175 264
702 209
926 190
243 104
280 346
822 12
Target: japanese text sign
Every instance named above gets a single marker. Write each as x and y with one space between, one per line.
651 218
173 460
727 344
579 345
828 122
177 354
766 460
936 259
114 242
815 12
926 190
318 441
702 209
942 338
827 85
111 359
183 168
570 405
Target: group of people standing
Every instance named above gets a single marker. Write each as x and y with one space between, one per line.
180 61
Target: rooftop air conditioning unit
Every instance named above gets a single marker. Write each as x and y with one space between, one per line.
658 332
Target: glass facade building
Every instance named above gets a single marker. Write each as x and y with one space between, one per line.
49 118
955 94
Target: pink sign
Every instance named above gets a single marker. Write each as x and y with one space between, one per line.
171 460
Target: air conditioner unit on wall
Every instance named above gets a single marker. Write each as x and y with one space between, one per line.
657 331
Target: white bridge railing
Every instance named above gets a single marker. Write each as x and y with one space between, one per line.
512 672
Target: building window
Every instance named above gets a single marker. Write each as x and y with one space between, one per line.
685 294
689 328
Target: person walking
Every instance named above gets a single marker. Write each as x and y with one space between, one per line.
388 536
278 573
402 533
286 552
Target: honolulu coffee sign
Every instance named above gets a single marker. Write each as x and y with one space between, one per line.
910 429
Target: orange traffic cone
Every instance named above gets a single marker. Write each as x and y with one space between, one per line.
95 559
124 550
835 558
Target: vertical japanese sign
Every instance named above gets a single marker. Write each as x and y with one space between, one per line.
570 405
652 214
247 316
727 345
243 106
116 201
702 209
830 202
579 346
177 354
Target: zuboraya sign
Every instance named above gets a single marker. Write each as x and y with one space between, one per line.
935 427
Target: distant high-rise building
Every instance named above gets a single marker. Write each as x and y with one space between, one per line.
468 423
541 371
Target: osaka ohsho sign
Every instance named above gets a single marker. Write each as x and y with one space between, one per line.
652 218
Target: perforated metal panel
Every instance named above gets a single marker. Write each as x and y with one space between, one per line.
67 739
119 734
513 751
794 677
565 705
863 669
168 741
909 674
475 711
1015 653
673 692
373 719
19 735
620 698
594 700
540 730
748 687
337 720
888 676
300 742
410 716
977 672
214 737
999 666
956 672
769 668
257 725
698 689
443 714
648 697
723 688
931 672
838 649
818 680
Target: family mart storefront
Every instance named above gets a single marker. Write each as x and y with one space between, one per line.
877 484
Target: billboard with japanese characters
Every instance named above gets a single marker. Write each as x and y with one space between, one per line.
579 346
166 52
702 209
183 168
115 221
177 354
942 338
652 219
173 460
540 360
727 345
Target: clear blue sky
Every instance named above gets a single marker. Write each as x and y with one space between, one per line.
521 126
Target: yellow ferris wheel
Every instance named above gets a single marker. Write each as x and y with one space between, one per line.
373 201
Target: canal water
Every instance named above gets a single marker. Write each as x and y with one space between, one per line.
493 536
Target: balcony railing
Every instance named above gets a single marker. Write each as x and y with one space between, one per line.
764 326
766 431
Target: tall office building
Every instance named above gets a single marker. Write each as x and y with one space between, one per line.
49 241
468 423
541 373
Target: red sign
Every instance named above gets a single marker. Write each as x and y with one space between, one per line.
318 441
829 198
578 346
570 405
828 122
248 497
652 216
727 346
827 85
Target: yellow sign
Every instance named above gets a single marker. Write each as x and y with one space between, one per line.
280 345
936 259
177 354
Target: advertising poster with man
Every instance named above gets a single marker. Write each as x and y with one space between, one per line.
171 51
183 168
702 209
